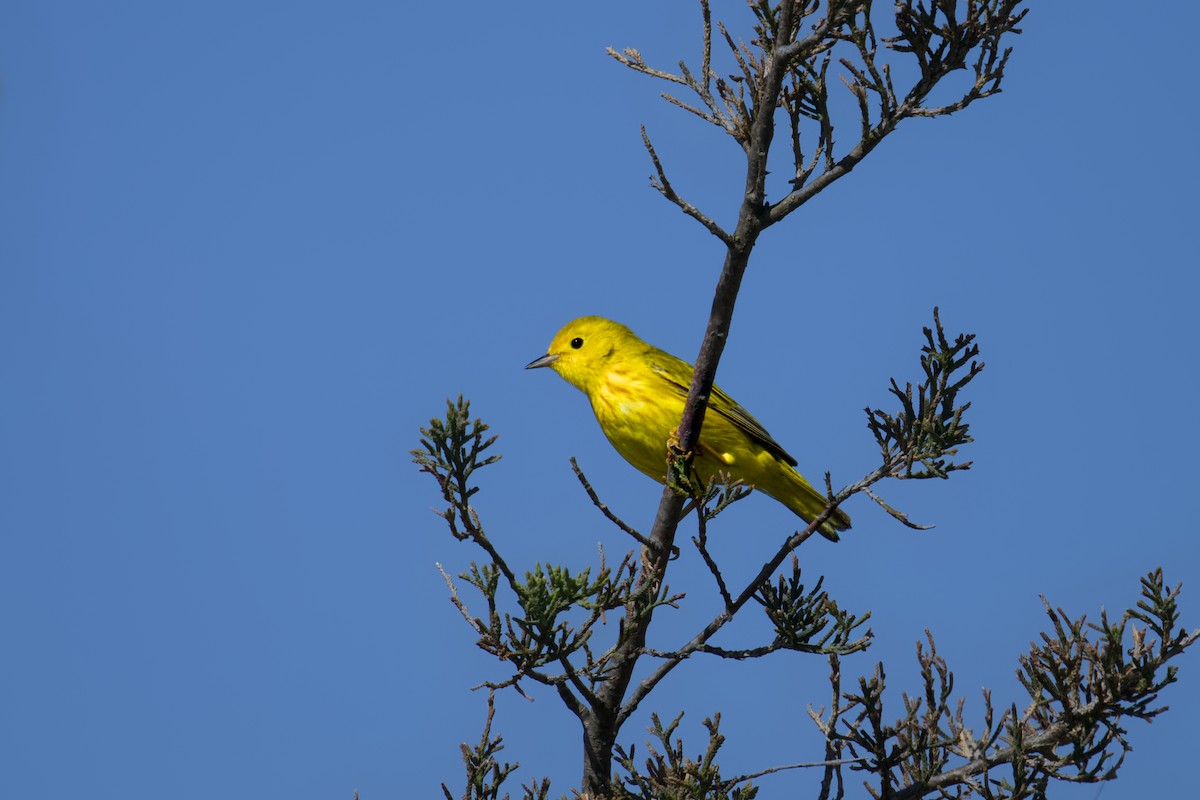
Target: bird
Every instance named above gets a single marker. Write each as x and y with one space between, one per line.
637 393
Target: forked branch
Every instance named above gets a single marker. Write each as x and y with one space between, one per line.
781 70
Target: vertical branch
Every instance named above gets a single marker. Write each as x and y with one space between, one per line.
752 219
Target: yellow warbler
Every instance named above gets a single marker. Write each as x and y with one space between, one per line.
637 393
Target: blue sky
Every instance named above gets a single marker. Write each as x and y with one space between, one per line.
246 250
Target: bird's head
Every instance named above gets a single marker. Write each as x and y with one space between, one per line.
585 349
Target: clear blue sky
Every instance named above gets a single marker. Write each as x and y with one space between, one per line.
247 249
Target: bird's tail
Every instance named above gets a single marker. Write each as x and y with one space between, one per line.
808 503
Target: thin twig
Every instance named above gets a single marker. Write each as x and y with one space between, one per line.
664 187
899 516
701 542
732 782
604 509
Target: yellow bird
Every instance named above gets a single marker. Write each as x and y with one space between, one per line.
637 393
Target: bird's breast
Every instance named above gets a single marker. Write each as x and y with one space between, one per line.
637 413
624 396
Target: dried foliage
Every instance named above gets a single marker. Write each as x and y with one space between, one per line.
485 775
669 774
1083 681
785 70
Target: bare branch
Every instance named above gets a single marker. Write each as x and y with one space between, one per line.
701 542
604 509
633 59
806 765
899 516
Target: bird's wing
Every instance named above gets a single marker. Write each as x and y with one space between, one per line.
677 374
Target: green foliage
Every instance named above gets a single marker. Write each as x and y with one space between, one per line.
451 452
719 494
549 592
543 634
810 622
928 427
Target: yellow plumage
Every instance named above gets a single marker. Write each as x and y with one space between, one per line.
637 393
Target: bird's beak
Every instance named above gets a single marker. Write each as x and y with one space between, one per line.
544 361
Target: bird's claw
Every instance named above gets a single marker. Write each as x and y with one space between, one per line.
679 467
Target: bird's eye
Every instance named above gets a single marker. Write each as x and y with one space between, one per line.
577 343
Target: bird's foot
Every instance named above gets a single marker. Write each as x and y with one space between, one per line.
680 475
